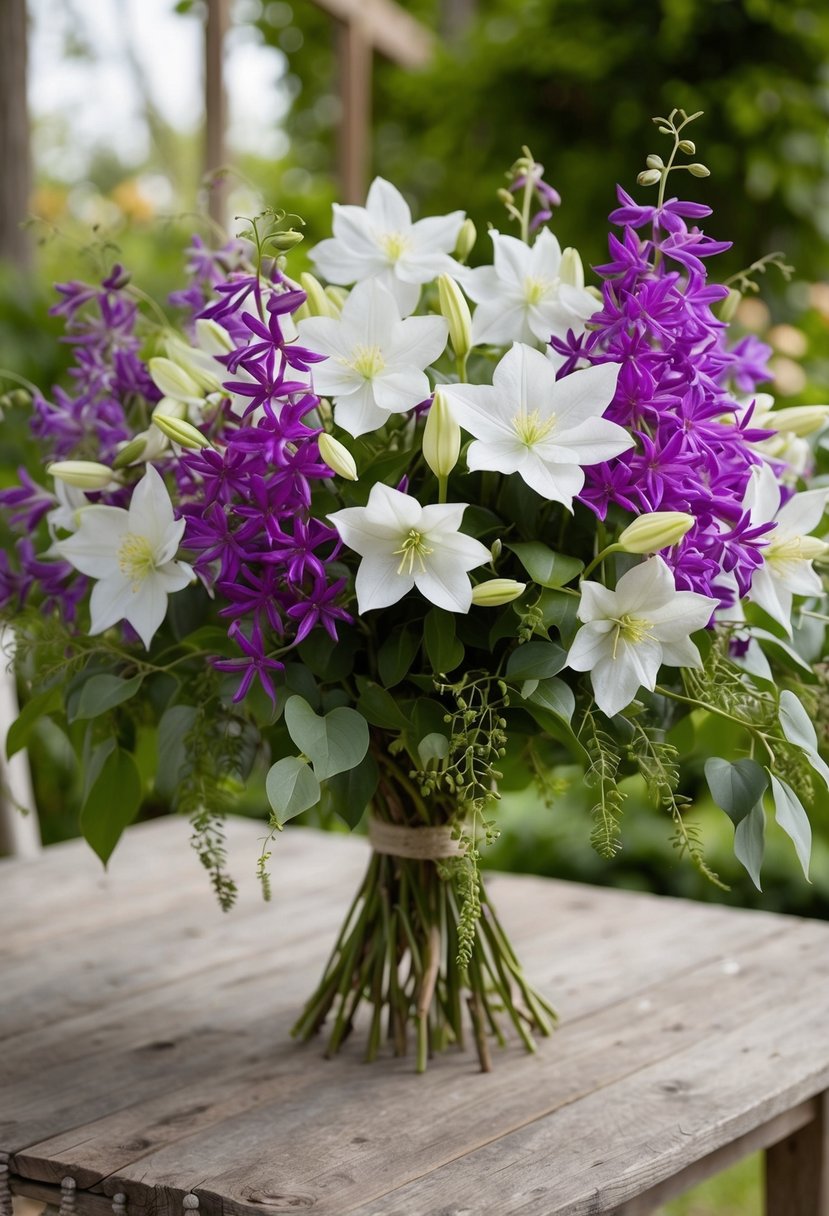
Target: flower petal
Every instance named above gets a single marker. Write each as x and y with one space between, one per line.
379 583
387 208
93 550
445 583
358 413
585 394
150 509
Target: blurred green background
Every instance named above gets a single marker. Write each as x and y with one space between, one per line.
579 83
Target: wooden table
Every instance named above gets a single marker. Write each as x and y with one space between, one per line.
146 1059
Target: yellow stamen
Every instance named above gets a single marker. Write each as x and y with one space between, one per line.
414 548
136 558
532 428
394 245
535 290
630 628
367 361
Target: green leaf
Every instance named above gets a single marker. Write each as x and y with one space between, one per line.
379 707
327 659
333 743
101 693
737 787
350 793
443 649
174 727
798 729
112 803
432 747
750 842
37 707
556 696
291 788
559 609
396 655
93 761
792 818
535 660
544 566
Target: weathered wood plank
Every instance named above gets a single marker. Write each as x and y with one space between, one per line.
797 1169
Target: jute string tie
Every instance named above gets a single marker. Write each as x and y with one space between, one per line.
414 843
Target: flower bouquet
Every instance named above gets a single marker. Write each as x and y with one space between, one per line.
405 551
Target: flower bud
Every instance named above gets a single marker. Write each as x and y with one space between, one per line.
571 270
730 304
655 162
497 591
130 452
799 420
181 432
337 456
213 338
338 297
655 531
810 548
698 170
83 474
495 549
170 407
504 196
455 309
466 240
441 438
317 302
687 146
283 241
174 381
649 177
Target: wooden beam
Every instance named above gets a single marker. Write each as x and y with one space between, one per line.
16 177
355 56
797 1169
387 27
215 108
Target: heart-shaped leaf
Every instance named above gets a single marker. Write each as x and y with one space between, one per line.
333 743
291 788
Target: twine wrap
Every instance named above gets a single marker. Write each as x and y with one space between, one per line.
414 843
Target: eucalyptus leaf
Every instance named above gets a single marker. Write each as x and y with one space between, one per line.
750 842
101 693
396 655
544 565
379 707
792 818
174 727
112 802
432 747
291 788
39 706
798 728
349 793
555 696
333 743
535 660
443 649
735 787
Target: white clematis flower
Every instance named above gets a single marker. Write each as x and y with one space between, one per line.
545 430
530 293
380 241
629 633
787 569
131 555
404 545
375 360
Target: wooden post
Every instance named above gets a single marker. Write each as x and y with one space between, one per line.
215 107
355 55
797 1169
16 177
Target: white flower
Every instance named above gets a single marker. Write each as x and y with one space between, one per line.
528 423
405 545
65 517
375 360
529 293
630 632
379 241
130 554
787 569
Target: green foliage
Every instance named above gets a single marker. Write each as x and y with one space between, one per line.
333 743
602 776
113 800
544 566
292 788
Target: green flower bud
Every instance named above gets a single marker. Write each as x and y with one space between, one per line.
497 591
571 270
130 452
337 296
466 240
687 146
649 177
698 170
83 474
19 398
317 302
454 308
283 241
730 304
174 381
170 407
180 431
505 197
655 531
337 456
799 420
495 549
441 438
655 162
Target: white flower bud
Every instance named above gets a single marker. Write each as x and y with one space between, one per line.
571 270
83 474
213 338
317 302
799 420
180 431
687 146
337 456
698 170
130 452
730 304
454 308
655 162
441 438
497 591
649 177
174 381
466 240
655 531
170 407
337 296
